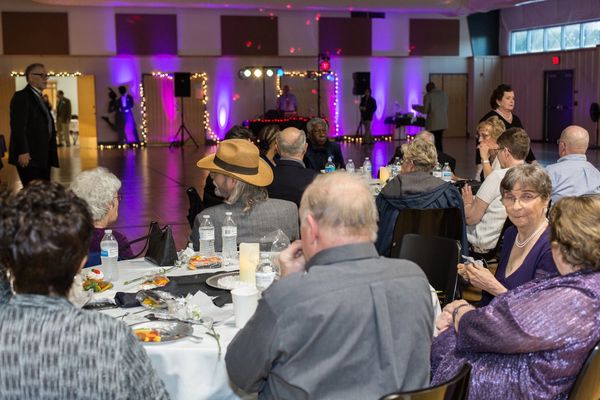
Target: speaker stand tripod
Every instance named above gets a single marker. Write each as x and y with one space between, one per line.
179 138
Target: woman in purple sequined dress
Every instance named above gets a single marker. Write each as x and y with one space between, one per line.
531 342
526 253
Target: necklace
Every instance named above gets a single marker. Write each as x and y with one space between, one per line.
507 115
522 244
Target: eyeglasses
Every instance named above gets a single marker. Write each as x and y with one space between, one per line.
119 196
526 198
41 75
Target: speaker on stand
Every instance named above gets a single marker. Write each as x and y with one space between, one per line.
183 88
361 82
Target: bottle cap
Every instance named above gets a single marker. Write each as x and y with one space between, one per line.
206 216
108 231
228 213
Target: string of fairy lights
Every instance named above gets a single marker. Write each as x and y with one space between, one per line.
61 74
203 76
329 75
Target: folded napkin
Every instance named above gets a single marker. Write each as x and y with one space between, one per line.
181 286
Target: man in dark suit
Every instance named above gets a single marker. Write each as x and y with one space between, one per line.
290 176
33 136
320 148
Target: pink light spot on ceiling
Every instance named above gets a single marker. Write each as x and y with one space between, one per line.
307 22
288 6
292 50
338 51
314 91
236 97
249 43
317 17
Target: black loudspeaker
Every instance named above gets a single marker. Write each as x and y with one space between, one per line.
362 82
182 84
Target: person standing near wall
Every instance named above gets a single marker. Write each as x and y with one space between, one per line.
63 119
435 105
33 135
368 106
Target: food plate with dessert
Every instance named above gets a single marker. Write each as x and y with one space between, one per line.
196 262
94 280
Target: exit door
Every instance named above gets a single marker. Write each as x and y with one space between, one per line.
558 107
455 86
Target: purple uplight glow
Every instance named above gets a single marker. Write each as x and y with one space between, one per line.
223 95
413 86
381 72
125 70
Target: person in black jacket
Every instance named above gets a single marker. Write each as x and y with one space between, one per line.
368 105
290 175
320 148
33 135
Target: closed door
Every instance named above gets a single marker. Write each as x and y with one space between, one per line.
455 86
86 97
558 110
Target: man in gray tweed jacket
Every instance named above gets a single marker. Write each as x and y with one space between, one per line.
241 178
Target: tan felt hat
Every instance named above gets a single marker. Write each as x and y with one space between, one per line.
241 160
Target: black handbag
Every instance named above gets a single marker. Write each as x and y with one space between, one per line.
160 244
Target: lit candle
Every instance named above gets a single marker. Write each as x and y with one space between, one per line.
384 175
249 256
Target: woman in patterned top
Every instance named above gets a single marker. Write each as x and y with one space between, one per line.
48 348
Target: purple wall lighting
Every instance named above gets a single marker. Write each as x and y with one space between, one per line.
225 75
381 72
413 87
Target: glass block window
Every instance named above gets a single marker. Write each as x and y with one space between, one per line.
590 34
572 34
536 40
555 38
519 42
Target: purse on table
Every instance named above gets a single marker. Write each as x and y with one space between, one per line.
160 245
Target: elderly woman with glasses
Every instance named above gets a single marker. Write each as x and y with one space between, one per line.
531 342
488 133
100 189
526 253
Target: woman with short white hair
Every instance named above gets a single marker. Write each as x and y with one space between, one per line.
100 189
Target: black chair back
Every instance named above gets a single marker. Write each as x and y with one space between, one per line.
442 222
494 254
587 385
196 205
456 388
437 257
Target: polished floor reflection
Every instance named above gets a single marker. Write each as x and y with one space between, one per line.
155 178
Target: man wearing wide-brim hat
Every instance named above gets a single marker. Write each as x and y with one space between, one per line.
241 177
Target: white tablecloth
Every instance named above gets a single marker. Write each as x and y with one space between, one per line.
190 369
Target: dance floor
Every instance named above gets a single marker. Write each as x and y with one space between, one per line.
155 178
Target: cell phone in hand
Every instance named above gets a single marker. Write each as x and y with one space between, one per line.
471 260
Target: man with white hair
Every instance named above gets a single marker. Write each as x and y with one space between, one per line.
290 175
342 322
573 175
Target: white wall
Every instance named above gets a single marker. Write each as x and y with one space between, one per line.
395 77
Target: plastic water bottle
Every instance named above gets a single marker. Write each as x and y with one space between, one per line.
109 255
350 168
396 167
368 168
446 173
265 272
437 171
207 237
229 239
330 166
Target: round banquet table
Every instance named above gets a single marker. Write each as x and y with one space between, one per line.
190 369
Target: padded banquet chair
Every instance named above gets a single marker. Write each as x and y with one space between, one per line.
437 257
587 385
196 205
442 222
456 388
